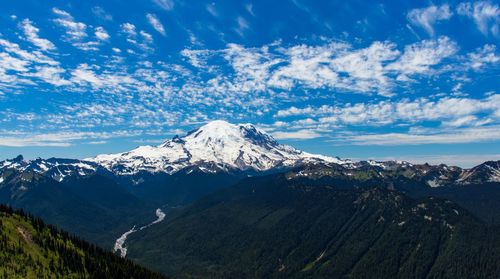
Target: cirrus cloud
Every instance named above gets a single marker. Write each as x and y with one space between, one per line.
31 33
427 17
155 23
485 14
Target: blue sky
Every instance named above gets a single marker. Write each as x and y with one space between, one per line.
414 80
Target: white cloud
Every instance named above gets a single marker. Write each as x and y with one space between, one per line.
249 8
75 31
129 29
457 111
100 13
483 56
9 62
167 5
143 41
84 74
241 81
300 134
31 33
427 17
36 141
293 111
242 26
462 160
101 33
31 57
61 13
336 65
485 14
18 65
88 75
155 22
51 75
365 68
379 68
468 120
212 10
146 36
87 46
252 66
59 139
438 136
419 57
196 58
97 142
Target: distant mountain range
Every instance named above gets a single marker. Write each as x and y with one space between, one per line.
214 147
223 147
244 191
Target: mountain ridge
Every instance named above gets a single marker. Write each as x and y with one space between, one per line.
274 227
219 146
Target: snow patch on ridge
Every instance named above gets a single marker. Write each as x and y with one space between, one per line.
433 183
495 174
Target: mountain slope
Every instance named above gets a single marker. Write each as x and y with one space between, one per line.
485 172
31 249
94 207
276 227
479 196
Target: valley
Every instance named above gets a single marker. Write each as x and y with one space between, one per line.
120 242
242 205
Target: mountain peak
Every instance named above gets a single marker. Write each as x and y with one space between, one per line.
219 124
224 133
219 128
220 143
215 129
19 158
222 125
17 161
486 172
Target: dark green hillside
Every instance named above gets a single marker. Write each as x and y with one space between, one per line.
31 249
483 200
179 188
279 227
94 207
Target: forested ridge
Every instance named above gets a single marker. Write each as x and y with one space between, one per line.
274 227
29 248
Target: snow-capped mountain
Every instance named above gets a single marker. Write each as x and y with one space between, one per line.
485 172
218 144
55 168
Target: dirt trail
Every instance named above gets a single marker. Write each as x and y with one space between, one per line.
25 234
